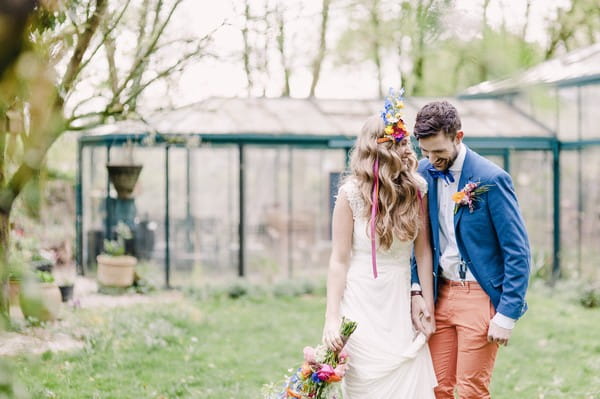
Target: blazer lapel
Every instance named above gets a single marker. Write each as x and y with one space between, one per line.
433 211
465 176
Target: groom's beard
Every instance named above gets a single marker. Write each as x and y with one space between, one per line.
446 164
453 158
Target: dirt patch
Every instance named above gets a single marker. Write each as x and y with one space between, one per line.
36 341
59 335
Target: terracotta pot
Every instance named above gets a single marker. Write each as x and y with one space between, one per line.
116 271
41 301
14 287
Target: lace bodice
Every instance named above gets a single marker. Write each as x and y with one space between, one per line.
361 242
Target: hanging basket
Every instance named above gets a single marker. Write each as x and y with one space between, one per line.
124 178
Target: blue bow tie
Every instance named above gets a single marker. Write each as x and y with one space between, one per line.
446 175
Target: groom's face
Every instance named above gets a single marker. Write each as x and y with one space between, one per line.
440 149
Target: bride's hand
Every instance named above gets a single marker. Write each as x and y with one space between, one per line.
331 334
422 317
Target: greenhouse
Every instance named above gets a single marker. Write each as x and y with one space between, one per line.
281 159
563 96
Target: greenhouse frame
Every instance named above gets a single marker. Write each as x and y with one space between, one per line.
282 158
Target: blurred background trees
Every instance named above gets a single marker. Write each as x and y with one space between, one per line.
429 46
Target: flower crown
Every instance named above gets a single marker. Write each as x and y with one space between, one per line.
395 129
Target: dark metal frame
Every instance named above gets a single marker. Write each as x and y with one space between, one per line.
499 146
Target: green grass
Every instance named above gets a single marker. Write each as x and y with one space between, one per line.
221 348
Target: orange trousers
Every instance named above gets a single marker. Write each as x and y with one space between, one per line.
462 356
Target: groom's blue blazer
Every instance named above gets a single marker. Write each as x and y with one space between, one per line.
492 239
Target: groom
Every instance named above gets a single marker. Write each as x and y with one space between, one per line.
481 256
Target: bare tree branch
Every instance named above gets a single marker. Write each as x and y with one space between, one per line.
105 34
139 61
82 45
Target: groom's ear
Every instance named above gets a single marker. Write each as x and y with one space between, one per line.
459 135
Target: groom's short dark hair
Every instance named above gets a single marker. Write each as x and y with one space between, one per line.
435 117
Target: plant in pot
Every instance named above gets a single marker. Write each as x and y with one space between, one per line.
64 271
66 284
115 268
40 297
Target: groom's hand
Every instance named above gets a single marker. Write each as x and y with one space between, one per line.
422 318
498 334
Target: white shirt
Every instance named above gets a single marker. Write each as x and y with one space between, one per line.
450 255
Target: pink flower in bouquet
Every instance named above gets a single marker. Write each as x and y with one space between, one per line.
309 354
343 355
340 370
325 372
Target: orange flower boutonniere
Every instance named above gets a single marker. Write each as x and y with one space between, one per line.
469 195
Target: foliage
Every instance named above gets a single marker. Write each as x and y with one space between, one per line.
590 298
576 24
452 65
9 387
117 247
44 277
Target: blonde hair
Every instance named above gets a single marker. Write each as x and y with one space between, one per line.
399 196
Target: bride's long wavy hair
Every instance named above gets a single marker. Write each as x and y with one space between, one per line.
399 197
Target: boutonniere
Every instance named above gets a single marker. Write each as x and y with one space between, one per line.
469 195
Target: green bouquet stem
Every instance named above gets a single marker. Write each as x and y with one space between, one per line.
346 329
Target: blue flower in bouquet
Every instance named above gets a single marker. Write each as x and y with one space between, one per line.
315 377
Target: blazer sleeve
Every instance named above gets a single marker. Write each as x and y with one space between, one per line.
514 245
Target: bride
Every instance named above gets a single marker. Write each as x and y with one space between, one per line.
379 218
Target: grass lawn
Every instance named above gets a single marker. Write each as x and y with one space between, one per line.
222 348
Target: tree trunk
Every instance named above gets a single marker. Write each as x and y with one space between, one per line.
483 65
419 57
418 74
375 22
525 54
4 241
318 62
14 16
247 48
281 47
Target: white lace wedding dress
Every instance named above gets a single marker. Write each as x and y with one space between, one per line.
386 361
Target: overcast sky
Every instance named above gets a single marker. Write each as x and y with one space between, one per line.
225 77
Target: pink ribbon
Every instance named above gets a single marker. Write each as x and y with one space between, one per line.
420 196
374 206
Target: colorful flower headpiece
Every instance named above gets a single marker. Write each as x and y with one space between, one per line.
395 129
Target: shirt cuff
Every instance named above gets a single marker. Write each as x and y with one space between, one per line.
415 287
504 321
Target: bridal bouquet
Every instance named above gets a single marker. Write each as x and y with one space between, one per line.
318 375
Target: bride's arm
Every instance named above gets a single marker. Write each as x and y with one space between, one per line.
339 262
424 258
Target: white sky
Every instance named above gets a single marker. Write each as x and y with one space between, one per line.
225 77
